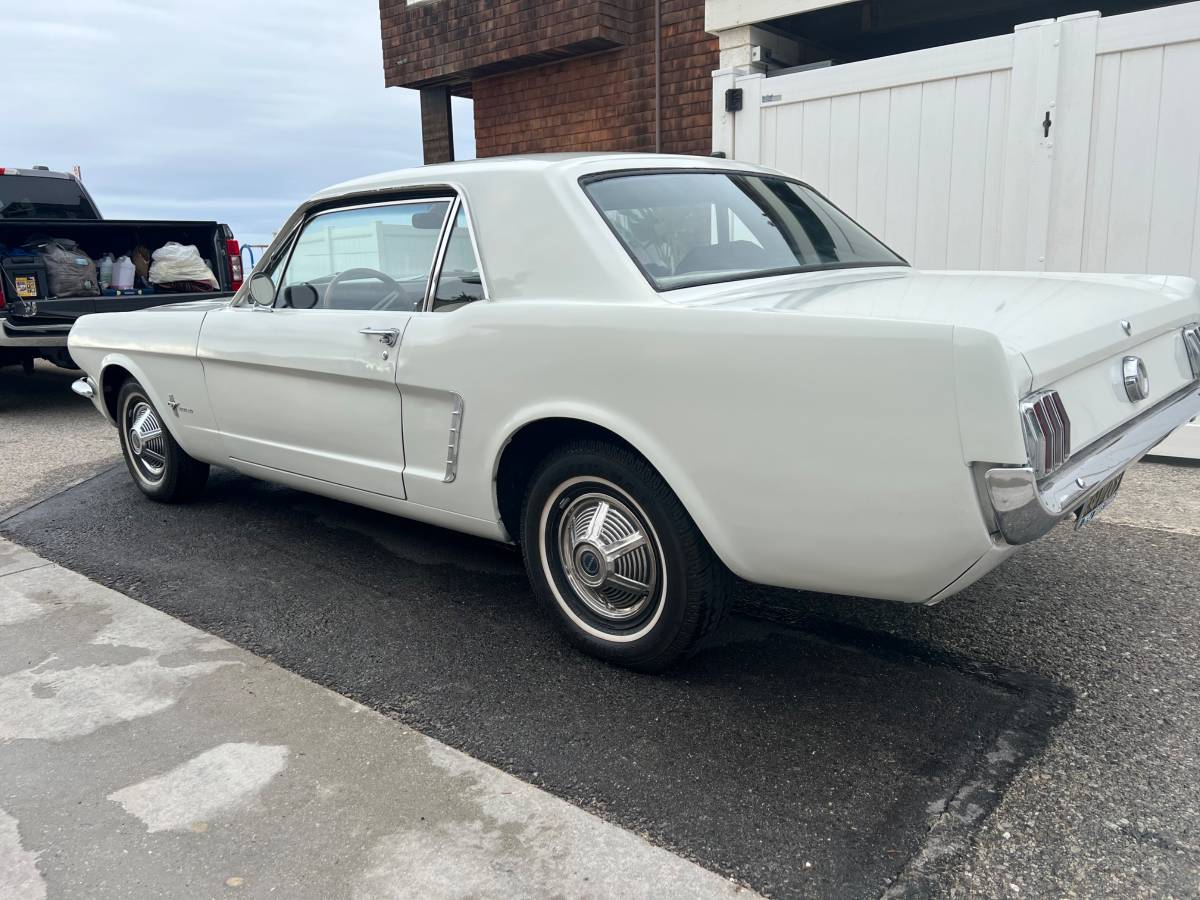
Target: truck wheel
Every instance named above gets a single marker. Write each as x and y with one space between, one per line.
60 358
613 554
158 465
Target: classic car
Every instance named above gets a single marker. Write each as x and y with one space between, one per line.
655 374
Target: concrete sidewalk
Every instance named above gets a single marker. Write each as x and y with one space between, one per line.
140 757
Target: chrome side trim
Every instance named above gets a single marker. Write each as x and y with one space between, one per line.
1026 509
84 387
456 416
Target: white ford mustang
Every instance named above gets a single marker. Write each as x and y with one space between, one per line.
654 373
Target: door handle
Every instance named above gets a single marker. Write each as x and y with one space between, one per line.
387 336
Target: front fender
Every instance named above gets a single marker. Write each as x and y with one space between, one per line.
176 387
112 371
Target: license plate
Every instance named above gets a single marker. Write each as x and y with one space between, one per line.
1097 503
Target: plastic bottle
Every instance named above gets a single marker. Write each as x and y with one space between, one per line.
122 274
106 270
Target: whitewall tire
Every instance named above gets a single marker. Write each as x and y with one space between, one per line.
159 466
615 557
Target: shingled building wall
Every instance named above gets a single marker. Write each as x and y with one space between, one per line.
560 75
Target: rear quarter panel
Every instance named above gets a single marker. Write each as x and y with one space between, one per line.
815 453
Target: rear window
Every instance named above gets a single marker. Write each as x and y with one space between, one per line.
36 197
688 228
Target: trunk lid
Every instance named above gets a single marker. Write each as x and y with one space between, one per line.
1060 323
1068 328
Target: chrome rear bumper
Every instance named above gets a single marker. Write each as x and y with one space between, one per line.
84 387
1026 509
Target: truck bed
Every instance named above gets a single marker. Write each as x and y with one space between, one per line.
53 316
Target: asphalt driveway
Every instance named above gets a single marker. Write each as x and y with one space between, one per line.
1038 735
821 759
49 437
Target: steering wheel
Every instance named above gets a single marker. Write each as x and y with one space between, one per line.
394 289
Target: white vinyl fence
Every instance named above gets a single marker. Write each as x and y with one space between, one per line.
946 155
1068 145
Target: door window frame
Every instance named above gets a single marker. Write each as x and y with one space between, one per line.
456 202
440 258
406 201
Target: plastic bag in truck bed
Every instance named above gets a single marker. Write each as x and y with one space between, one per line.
69 271
180 262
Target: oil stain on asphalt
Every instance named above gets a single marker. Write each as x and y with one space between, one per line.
800 760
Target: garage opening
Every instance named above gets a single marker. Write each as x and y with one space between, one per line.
873 28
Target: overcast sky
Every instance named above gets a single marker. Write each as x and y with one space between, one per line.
222 109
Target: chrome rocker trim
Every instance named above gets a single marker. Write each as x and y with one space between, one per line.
1026 509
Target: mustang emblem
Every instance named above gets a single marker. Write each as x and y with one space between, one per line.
176 407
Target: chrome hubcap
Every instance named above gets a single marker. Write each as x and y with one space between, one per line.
146 440
607 557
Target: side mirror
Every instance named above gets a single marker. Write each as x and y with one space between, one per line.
262 289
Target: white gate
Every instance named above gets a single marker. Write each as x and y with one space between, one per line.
1068 145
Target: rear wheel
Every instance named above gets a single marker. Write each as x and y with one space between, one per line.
159 466
613 554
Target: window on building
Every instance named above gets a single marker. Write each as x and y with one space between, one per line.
867 29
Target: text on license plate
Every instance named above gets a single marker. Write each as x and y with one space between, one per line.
1097 502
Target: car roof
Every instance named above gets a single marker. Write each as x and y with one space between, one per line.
560 165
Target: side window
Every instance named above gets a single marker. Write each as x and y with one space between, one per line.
373 257
459 282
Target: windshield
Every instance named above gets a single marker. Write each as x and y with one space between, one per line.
688 228
40 197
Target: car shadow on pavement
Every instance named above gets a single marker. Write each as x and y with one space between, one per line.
798 753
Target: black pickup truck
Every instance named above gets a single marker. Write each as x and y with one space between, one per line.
36 204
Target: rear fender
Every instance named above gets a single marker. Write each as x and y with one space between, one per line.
641 440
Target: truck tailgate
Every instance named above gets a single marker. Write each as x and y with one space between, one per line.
27 315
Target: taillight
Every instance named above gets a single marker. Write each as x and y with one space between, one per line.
1047 430
1191 342
234 251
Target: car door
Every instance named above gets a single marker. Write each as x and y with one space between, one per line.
434 408
308 385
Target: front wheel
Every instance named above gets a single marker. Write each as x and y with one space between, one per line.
613 554
159 466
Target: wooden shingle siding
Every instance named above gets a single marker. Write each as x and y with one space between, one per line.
451 41
553 75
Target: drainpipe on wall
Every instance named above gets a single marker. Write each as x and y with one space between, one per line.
658 76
